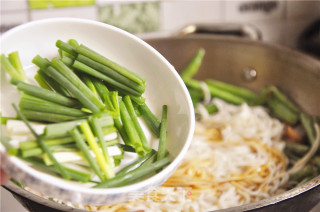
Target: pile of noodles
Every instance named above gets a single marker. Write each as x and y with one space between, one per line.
235 158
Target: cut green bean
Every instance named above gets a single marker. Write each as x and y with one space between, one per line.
97 129
308 126
50 108
193 66
130 129
216 92
87 80
85 150
111 73
67 61
281 111
150 119
73 43
106 169
111 142
62 129
121 130
42 63
11 70
163 134
15 61
54 84
211 109
132 114
50 142
236 90
280 96
74 174
75 80
43 93
74 90
42 82
66 47
133 175
103 60
304 172
47 117
101 89
54 148
136 163
43 145
88 70
296 148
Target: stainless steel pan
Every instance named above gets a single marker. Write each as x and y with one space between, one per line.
252 64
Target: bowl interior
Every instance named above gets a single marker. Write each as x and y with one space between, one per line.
163 85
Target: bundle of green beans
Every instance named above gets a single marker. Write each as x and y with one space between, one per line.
83 97
279 104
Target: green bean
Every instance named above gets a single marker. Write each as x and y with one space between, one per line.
11 70
280 96
236 90
111 73
103 60
42 82
88 70
48 95
136 163
47 117
97 129
66 47
281 111
308 126
163 134
15 61
150 119
43 145
54 85
42 63
74 174
105 167
130 129
133 175
193 66
50 108
74 80
74 90
131 111
85 150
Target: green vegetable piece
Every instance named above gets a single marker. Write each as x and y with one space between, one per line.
134 118
75 80
74 90
85 150
66 47
236 90
193 66
45 94
150 119
106 169
88 70
43 145
103 60
130 129
163 134
133 175
282 112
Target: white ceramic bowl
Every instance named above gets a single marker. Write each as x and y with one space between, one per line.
163 86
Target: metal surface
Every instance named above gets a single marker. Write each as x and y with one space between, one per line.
294 73
227 29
